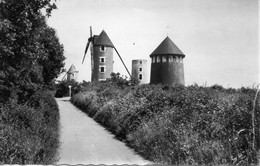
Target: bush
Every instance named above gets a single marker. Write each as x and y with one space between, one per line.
87 102
177 125
29 133
62 88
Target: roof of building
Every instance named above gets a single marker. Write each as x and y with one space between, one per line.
167 47
95 37
103 40
72 69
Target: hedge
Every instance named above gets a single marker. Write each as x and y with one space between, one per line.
29 132
178 125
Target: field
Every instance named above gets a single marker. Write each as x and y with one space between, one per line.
177 125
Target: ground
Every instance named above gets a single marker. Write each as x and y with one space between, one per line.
83 141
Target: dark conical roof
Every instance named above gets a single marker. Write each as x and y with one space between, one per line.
103 40
72 69
167 47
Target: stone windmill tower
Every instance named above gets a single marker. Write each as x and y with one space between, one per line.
101 49
167 64
72 74
139 70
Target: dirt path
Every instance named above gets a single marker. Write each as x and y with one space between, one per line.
86 142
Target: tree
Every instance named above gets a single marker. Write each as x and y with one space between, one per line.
120 81
30 52
53 61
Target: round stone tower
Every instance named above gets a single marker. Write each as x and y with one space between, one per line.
102 62
139 70
167 64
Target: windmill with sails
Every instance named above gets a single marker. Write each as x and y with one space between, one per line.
101 50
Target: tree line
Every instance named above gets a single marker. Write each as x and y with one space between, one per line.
31 57
30 51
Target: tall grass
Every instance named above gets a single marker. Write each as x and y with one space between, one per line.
178 125
29 132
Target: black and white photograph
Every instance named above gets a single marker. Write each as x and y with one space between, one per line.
129 82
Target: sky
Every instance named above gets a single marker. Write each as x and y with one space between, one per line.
218 37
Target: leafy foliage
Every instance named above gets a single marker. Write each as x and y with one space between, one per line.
177 125
29 133
118 80
30 52
62 88
31 58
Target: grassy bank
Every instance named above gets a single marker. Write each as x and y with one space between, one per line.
29 132
177 125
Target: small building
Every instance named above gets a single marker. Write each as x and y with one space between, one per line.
72 73
167 64
139 70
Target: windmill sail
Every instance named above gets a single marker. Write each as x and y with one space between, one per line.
122 61
86 49
90 41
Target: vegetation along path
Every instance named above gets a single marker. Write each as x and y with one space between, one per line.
83 141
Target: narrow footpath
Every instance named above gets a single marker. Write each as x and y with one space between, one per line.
83 141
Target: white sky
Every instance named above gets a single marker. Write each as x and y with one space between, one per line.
218 37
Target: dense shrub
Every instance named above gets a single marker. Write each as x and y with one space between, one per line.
86 102
31 59
177 125
29 133
121 82
62 88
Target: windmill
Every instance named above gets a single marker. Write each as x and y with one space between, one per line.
71 74
101 50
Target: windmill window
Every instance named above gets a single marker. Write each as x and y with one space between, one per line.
102 59
102 69
153 59
140 62
170 58
102 48
140 76
140 69
158 59
164 59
